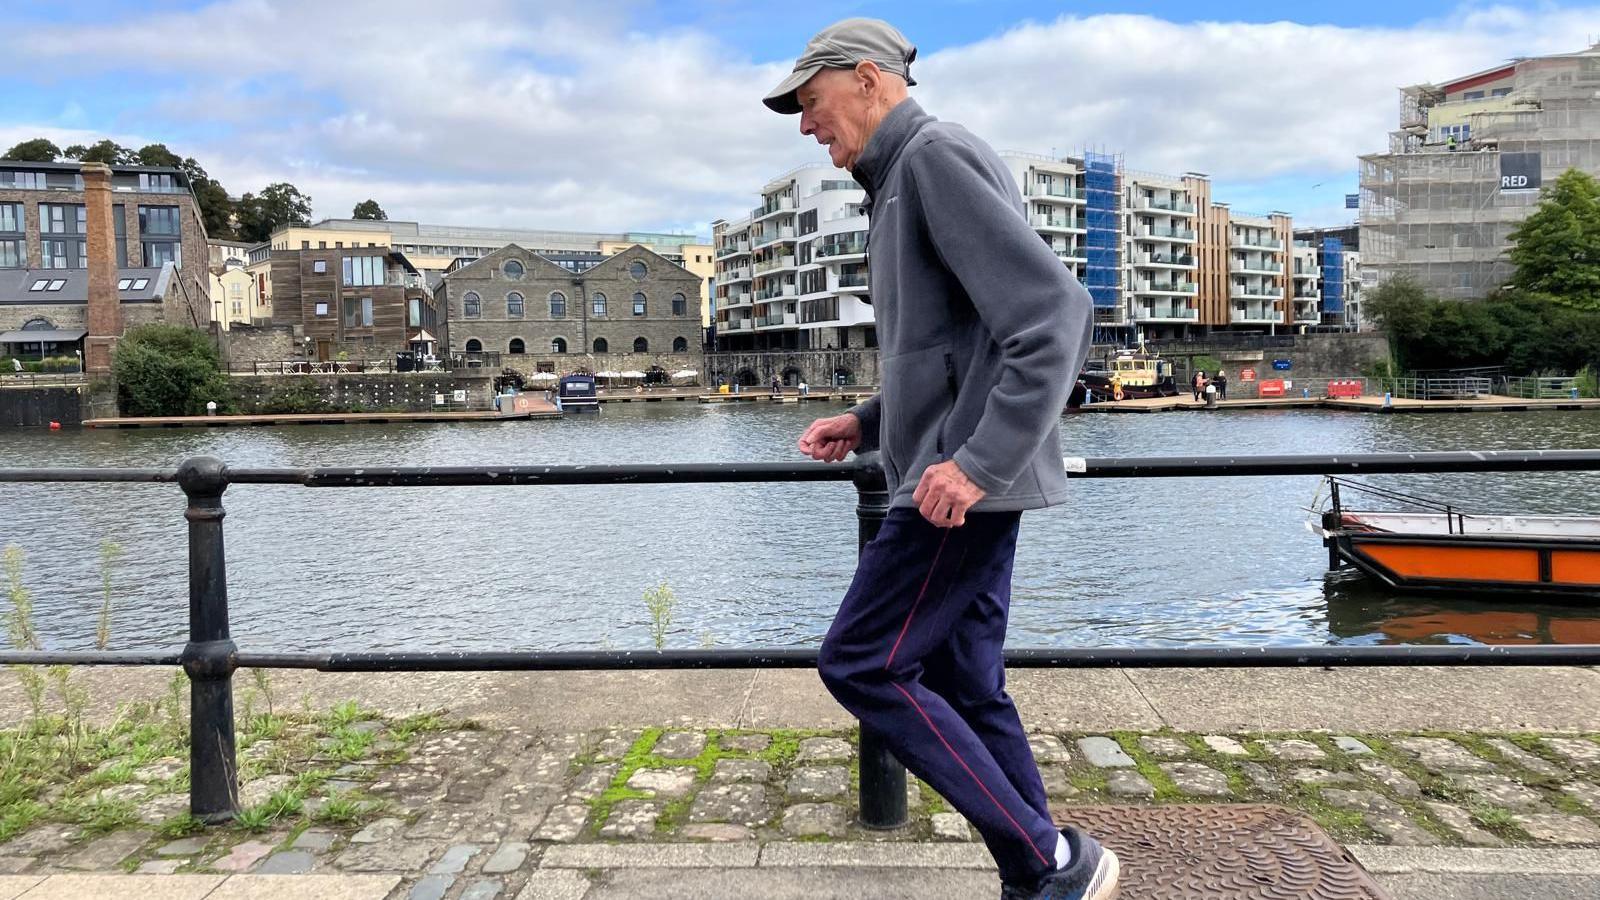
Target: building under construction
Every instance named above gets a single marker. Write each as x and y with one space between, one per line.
1465 168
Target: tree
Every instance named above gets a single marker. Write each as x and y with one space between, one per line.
1556 249
369 209
216 207
158 155
36 150
277 205
106 151
169 370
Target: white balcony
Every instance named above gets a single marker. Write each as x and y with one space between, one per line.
786 233
1160 233
774 207
1248 242
739 325
840 251
1306 312
1256 292
1255 267
775 264
731 250
736 275
1055 193
1164 312
1062 224
1165 207
777 320
1255 313
1172 288
851 284
1163 261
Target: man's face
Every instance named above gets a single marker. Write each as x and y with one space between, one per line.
835 108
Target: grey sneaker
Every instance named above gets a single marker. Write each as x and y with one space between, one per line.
1015 892
1092 874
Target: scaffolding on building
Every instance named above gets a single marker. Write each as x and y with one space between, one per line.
1103 219
1432 208
1332 264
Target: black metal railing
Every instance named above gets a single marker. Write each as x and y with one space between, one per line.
211 657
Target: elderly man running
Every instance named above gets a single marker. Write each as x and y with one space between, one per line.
980 329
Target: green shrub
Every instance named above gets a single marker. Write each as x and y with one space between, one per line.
297 394
168 370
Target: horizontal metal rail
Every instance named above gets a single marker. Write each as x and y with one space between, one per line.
705 473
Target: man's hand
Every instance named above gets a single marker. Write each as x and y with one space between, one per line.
831 439
945 493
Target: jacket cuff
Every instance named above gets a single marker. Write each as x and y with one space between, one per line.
867 412
982 477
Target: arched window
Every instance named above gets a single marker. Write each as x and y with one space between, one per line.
680 345
558 305
600 346
639 304
514 305
640 345
474 345
513 269
517 346
599 304
558 345
680 305
472 305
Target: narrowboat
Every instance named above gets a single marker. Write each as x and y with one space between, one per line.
1428 546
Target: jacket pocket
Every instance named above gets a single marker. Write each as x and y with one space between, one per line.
919 390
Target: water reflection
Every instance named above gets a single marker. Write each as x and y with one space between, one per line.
1361 613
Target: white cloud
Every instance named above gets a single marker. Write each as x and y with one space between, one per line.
557 115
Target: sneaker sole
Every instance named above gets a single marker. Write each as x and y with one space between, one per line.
1103 886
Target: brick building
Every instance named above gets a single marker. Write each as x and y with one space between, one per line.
521 304
363 302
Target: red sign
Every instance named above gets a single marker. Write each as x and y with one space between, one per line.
1270 388
1247 374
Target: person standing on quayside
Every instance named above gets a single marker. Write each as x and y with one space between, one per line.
978 323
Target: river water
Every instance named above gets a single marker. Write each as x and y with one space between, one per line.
1151 562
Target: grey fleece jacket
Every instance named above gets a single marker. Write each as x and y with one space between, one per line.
981 329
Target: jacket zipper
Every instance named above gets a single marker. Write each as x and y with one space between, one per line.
950 381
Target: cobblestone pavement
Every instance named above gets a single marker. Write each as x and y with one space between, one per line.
490 813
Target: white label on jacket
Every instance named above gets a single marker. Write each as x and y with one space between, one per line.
1074 464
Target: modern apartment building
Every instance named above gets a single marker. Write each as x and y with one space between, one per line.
362 302
436 248
1464 167
793 273
1159 257
1340 282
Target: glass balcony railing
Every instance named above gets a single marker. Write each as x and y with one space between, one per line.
841 248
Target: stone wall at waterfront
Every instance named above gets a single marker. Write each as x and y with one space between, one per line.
818 367
361 392
1309 355
243 344
41 405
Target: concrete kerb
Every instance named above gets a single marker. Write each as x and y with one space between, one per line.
1387 860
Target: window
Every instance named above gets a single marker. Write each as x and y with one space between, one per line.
322 309
640 345
474 345
517 347
680 305
513 269
471 305
56 285
13 254
39 285
638 270
236 291
808 222
305 245
11 217
158 220
139 284
322 245
360 271
414 312
338 245
1500 92
599 304
558 345
558 305
1472 95
159 252
119 224
63 218
319 267
55 253
514 305
600 346
639 304
124 284
358 312
157 181
680 345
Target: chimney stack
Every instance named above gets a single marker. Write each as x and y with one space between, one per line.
105 310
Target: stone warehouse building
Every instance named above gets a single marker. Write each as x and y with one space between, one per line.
528 308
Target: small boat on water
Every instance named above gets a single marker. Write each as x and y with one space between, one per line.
576 393
1426 545
1128 375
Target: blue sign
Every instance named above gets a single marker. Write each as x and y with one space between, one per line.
1282 365
1352 201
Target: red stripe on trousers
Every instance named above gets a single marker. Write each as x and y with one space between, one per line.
912 614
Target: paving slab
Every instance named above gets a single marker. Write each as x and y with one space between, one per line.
1380 859
655 856
795 884
143 887
322 887
13 886
1490 887
558 884
859 854
1373 699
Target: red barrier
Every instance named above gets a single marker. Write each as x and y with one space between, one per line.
1347 388
1270 388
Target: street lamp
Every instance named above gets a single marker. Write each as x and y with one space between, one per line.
80 361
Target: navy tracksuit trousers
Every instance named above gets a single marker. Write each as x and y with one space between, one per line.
915 653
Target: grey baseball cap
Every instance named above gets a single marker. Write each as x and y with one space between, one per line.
840 46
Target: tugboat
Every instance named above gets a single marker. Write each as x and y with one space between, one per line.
1128 375
1433 546
576 393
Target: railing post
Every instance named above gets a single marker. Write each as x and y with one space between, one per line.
208 658
883 778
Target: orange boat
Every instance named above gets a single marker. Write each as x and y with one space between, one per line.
1434 546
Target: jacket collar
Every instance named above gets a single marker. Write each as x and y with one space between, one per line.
886 144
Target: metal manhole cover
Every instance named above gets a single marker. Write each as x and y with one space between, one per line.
1223 853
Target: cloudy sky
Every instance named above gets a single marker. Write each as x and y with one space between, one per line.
631 115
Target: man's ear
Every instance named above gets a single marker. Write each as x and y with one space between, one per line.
869 75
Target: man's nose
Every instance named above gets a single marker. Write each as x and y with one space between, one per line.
806 125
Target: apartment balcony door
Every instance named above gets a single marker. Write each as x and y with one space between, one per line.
324 351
